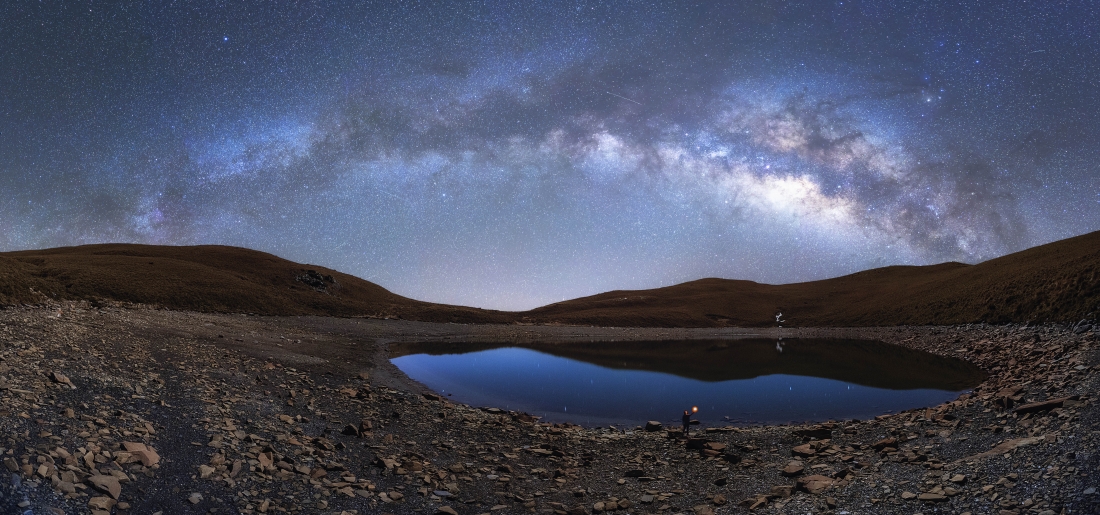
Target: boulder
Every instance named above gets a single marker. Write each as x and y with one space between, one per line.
652 426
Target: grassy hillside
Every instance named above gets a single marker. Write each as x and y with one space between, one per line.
1058 282
208 278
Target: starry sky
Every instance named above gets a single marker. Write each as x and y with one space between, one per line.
512 154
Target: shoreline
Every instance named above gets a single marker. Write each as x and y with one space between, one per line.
245 411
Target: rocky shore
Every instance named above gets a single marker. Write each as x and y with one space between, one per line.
129 410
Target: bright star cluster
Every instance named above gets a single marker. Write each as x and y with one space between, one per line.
511 154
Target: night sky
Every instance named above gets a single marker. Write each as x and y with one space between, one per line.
511 154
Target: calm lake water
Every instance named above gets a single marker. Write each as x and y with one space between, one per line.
731 381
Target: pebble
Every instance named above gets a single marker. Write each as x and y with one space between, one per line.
315 426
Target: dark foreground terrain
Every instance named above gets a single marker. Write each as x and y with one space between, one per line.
143 411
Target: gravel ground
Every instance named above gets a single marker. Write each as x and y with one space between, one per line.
112 410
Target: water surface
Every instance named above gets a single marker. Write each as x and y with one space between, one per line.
731 381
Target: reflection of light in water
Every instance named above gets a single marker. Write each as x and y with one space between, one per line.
507 383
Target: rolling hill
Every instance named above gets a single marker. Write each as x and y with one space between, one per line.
209 278
1057 282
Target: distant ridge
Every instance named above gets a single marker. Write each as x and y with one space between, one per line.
1057 282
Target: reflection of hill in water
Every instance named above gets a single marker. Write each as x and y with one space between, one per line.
867 363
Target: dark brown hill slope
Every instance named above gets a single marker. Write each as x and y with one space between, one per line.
208 278
1059 281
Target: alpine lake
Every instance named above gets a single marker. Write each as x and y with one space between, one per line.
731 382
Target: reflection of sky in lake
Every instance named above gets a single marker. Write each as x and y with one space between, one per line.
564 390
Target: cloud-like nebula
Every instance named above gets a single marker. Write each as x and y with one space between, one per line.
586 149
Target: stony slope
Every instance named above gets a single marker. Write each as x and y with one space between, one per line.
305 415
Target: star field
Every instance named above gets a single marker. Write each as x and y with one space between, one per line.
507 155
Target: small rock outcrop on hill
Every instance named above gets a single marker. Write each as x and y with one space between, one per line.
314 279
208 278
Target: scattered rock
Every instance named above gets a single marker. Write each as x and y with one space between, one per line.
884 443
803 450
1007 446
58 377
1047 405
499 458
782 490
793 468
101 503
696 443
108 484
931 497
814 484
144 453
703 509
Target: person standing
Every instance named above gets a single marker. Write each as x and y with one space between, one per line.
687 421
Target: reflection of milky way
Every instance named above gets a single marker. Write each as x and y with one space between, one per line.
509 156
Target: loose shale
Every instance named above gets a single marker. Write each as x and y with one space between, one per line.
112 410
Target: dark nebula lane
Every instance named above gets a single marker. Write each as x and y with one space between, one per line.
509 154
